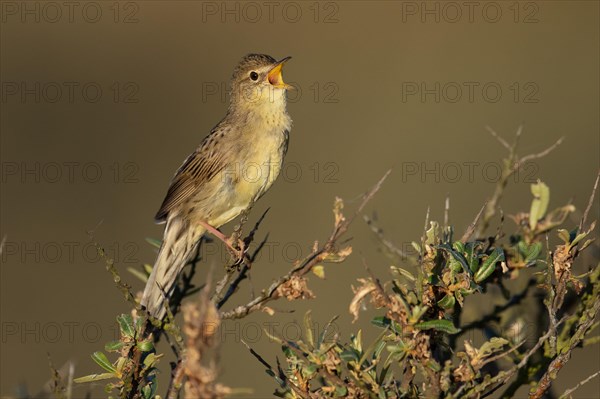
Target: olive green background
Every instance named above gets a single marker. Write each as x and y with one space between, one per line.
163 67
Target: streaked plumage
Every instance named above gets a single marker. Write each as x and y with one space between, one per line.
233 166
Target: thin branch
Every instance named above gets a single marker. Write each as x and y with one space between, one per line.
499 138
390 246
571 390
295 388
2 243
471 229
446 212
220 296
559 361
590 203
501 379
542 154
512 163
315 257
501 355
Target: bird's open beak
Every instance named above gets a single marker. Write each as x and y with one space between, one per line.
275 77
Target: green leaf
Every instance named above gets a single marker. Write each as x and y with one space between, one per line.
539 205
416 246
350 356
493 345
489 265
586 244
113 346
138 273
432 233
145 346
447 302
439 325
458 246
578 238
148 269
378 349
531 252
564 235
384 322
472 255
308 328
457 256
154 242
454 265
398 347
102 361
357 341
126 325
148 391
288 352
435 366
381 321
309 370
323 334
403 272
150 360
94 377
319 271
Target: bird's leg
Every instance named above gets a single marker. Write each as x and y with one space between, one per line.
238 253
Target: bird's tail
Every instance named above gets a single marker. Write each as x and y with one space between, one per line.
179 243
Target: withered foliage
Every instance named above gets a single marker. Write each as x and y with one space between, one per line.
424 348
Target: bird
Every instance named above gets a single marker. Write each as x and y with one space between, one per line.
235 164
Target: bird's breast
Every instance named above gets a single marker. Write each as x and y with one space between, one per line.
262 163
252 170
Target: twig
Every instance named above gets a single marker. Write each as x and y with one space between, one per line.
502 378
2 243
501 355
446 212
559 361
295 388
590 203
220 296
541 154
500 139
387 243
571 390
512 164
471 228
315 257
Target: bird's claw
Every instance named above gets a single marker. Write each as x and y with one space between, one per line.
238 251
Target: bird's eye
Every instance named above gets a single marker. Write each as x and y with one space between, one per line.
253 75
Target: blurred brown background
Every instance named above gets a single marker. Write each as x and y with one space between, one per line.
102 101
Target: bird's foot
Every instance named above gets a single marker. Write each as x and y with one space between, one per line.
238 251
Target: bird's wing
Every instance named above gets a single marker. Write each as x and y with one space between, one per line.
199 168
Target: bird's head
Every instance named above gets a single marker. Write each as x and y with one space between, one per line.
257 82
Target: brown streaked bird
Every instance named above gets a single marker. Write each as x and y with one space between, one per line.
233 166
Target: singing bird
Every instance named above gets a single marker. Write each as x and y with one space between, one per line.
232 168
